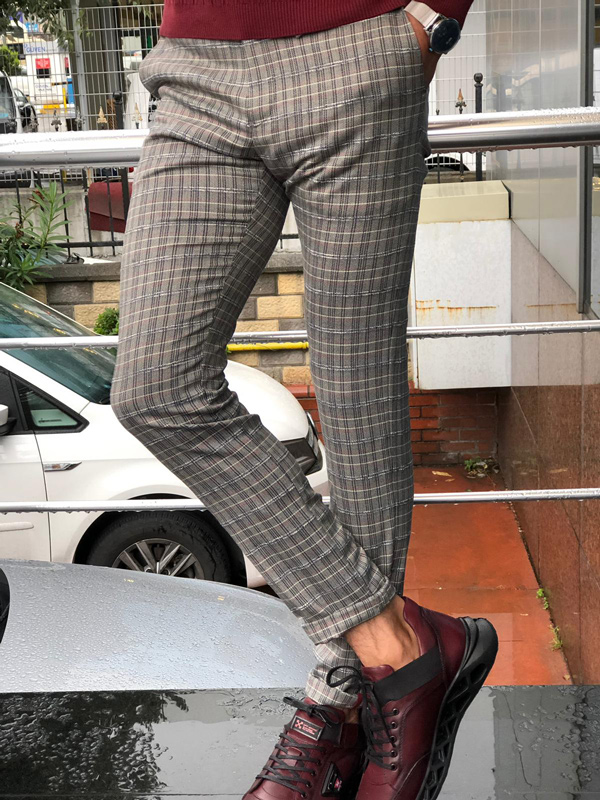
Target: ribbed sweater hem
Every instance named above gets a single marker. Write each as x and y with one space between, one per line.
270 19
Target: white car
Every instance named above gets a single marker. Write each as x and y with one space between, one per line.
50 612
10 117
60 440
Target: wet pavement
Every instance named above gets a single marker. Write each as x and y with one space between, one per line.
519 743
469 559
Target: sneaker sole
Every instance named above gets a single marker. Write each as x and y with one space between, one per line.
480 653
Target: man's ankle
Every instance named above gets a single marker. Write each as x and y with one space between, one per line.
385 639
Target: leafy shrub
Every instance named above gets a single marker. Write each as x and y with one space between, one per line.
28 243
107 323
9 61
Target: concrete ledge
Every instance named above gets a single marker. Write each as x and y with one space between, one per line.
285 261
464 202
90 270
110 270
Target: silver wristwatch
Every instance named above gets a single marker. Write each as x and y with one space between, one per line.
443 32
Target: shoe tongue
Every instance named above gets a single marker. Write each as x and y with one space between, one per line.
377 673
305 727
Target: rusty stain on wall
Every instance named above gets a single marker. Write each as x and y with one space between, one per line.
425 306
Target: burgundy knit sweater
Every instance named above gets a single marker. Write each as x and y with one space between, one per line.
270 19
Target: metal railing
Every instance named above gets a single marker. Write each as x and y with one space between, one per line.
299 336
569 127
511 130
98 162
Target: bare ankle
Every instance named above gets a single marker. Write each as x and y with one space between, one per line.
385 639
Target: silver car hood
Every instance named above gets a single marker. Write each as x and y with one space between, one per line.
82 628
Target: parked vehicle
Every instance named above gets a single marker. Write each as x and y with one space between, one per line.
115 685
10 118
29 120
74 628
60 440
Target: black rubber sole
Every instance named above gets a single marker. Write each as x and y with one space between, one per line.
478 660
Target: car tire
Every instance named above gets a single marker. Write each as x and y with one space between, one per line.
118 545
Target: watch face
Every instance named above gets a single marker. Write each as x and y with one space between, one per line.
445 36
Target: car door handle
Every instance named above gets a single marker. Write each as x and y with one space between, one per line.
60 466
16 526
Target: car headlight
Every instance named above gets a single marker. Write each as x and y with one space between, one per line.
306 451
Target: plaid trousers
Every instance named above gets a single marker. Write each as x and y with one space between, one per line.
334 122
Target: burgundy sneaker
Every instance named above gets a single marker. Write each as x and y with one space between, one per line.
318 755
411 715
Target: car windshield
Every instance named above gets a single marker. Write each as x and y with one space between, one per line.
85 370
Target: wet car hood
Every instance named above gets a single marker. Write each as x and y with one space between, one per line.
524 743
82 628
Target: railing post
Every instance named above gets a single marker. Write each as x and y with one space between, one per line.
478 78
124 172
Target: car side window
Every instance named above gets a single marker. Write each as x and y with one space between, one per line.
42 413
7 398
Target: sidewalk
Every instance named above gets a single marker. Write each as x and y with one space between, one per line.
469 559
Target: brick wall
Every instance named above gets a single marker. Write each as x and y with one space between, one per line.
446 427
450 426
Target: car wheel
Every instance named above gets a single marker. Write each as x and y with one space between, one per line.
165 543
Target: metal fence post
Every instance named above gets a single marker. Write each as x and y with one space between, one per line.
124 172
478 78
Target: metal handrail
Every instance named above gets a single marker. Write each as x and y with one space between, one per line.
73 506
430 332
508 130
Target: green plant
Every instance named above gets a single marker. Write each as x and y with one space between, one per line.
542 595
9 61
557 642
28 238
107 323
51 13
480 467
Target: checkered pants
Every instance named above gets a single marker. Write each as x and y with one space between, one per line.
335 122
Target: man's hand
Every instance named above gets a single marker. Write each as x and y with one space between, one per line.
430 59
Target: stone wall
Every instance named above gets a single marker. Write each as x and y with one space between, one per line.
83 291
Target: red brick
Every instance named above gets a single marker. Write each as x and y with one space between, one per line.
457 422
438 436
309 403
451 447
465 448
417 459
424 400
457 411
485 422
415 436
486 411
298 389
426 447
483 436
418 424
433 459
430 411
486 397
467 434
458 399
414 412
311 391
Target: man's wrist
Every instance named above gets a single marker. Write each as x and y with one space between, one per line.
442 33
